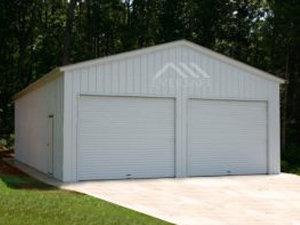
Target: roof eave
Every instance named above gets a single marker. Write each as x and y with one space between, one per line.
38 83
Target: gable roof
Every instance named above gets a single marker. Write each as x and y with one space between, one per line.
184 43
59 70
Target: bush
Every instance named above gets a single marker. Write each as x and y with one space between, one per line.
291 156
290 162
285 167
7 143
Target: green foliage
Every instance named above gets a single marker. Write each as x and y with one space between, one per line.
290 160
288 168
30 34
3 142
292 155
284 166
6 144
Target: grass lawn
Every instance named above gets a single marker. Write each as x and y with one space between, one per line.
26 201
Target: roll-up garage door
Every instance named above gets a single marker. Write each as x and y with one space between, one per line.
226 137
125 137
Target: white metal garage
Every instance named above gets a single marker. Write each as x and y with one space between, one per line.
172 110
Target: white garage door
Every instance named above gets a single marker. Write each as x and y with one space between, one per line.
227 137
125 137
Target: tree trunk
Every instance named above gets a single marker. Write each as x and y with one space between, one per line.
285 106
68 33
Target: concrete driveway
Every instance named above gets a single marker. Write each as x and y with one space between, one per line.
215 200
240 200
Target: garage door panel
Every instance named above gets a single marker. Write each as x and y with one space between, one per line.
122 137
226 137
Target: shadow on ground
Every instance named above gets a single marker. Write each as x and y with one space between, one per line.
16 179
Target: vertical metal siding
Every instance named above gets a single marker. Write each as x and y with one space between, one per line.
31 120
133 76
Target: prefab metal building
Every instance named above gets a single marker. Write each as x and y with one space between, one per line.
171 110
